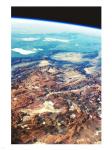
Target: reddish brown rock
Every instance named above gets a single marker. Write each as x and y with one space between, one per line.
45 110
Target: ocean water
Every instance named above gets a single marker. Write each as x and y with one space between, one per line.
59 43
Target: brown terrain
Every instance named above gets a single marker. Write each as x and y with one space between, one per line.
56 106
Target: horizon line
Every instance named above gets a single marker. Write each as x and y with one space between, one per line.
53 21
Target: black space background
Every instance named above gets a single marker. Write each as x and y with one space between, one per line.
88 16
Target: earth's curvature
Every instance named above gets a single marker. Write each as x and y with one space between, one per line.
56 89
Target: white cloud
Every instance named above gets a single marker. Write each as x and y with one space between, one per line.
29 39
56 40
23 51
39 49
